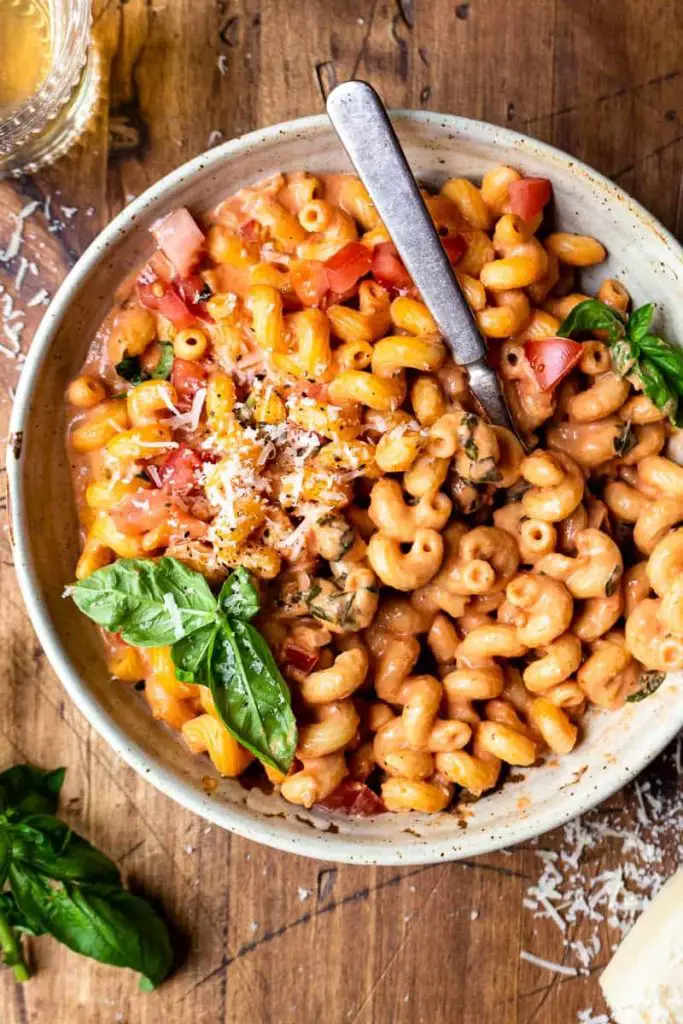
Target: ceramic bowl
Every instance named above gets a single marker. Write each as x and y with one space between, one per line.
615 746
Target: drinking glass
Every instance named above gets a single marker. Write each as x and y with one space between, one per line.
49 80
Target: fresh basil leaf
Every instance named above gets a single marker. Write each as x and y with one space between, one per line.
129 368
654 384
471 450
150 603
30 790
239 597
639 321
163 369
650 681
250 694
50 847
666 357
104 922
192 655
11 913
592 315
5 856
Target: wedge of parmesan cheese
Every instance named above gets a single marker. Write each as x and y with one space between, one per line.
643 983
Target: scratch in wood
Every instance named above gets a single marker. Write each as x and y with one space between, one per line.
662 78
615 175
364 41
545 997
15 746
326 77
354 897
631 90
359 895
231 30
130 852
402 47
476 865
424 56
561 980
406 12
392 959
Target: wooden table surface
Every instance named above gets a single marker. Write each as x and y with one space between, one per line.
266 937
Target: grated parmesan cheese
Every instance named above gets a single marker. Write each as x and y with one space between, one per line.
548 965
153 474
40 298
158 444
14 244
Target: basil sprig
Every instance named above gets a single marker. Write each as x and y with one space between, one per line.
654 363
57 883
131 370
155 603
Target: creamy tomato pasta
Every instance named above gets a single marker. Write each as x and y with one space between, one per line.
413 603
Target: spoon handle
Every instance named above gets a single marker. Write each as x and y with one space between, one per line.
362 123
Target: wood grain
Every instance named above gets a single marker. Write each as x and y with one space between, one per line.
262 936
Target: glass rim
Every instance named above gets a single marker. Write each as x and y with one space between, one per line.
67 62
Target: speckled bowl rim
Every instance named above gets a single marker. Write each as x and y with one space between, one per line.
323 845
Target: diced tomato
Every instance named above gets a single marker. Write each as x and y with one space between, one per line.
455 246
309 281
300 657
387 267
191 288
347 266
181 239
528 196
163 298
187 378
146 510
352 797
179 472
251 231
310 389
551 359
160 264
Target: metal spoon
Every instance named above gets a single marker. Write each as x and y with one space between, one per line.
361 121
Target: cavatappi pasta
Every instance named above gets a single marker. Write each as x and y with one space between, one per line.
272 393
